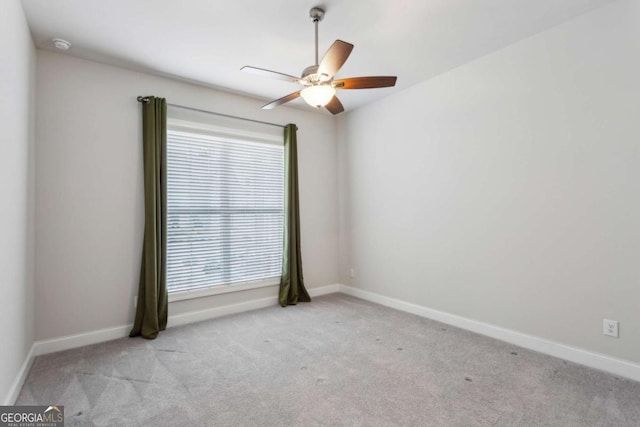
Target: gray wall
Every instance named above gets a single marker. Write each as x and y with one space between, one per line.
17 84
89 191
507 190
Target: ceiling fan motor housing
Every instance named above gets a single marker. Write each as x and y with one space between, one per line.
310 76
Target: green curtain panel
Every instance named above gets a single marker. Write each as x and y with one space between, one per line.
292 288
151 312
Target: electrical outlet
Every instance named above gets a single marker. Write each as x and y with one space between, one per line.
352 273
610 328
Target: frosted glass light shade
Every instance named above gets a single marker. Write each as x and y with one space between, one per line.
318 96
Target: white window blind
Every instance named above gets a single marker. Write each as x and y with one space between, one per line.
225 204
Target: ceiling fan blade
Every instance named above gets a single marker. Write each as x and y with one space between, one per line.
365 82
335 58
334 106
269 73
284 99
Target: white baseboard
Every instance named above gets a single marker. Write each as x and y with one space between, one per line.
594 360
212 313
324 290
107 334
14 391
602 362
80 340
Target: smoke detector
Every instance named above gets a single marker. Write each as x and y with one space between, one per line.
61 44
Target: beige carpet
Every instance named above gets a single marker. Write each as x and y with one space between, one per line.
338 361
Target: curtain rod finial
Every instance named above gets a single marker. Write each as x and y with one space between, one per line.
143 99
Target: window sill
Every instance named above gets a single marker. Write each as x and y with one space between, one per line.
222 289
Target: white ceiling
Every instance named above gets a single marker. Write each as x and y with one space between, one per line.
208 41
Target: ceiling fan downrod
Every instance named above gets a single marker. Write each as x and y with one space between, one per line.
316 15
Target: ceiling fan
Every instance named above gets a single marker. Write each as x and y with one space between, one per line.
320 85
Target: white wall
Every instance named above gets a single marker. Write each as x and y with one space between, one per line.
508 190
17 84
89 191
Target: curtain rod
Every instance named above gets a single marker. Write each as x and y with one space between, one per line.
146 100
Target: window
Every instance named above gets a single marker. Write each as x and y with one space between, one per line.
225 207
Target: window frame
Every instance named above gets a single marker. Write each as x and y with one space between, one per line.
230 134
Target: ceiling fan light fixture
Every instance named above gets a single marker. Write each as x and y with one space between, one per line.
318 95
318 79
